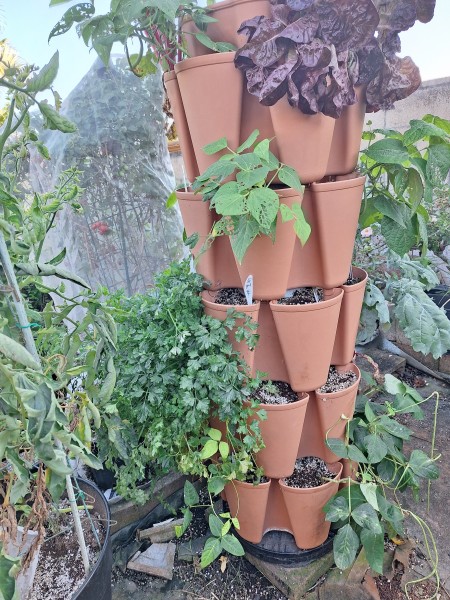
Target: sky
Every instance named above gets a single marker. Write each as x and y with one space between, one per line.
27 24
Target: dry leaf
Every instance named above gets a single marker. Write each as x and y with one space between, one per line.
223 563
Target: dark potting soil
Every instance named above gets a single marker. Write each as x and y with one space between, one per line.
303 296
230 296
309 472
60 570
275 392
338 381
352 281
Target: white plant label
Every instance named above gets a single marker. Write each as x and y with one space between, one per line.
248 289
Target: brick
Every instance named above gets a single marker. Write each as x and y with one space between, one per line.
293 582
157 560
160 532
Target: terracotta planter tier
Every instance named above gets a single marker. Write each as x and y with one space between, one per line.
304 141
248 503
229 14
219 311
305 510
306 333
347 136
281 432
198 218
332 210
270 262
184 137
344 345
331 407
218 259
211 89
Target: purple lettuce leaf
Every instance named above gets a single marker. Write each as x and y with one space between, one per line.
347 23
425 10
397 80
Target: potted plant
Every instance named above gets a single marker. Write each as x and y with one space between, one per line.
312 484
363 512
344 344
254 213
219 305
45 417
335 402
306 324
282 429
332 209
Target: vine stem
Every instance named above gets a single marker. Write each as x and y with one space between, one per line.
433 441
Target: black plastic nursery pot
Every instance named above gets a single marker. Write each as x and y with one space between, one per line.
97 585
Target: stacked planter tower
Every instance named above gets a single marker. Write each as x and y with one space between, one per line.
297 343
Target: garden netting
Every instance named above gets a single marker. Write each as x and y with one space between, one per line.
124 234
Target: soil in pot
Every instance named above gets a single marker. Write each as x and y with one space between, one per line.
275 392
231 296
282 429
338 381
352 280
306 295
309 472
60 570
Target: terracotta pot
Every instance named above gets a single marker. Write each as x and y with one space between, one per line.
344 345
219 311
304 141
198 218
217 264
229 14
269 262
268 354
332 210
330 407
248 503
305 509
347 136
184 137
257 116
349 471
211 88
306 333
281 432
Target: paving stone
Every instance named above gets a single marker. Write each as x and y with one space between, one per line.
192 549
157 560
293 582
160 532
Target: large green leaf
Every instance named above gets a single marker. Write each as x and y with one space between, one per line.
245 232
388 151
376 448
345 547
337 509
249 141
9 567
421 320
415 189
438 164
54 120
216 146
212 549
400 239
374 547
397 211
215 525
17 353
191 497
231 544
420 130
366 516
263 204
289 177
422 465
46 76
75 14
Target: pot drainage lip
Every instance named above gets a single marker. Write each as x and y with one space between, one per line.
278 548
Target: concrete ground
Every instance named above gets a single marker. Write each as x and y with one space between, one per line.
438 515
